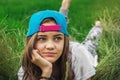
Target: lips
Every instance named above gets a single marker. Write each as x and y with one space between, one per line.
49 54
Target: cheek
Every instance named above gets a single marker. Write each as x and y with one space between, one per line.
39 47
60 47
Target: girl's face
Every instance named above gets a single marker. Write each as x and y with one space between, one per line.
50 44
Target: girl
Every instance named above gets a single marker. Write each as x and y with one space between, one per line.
47 54
50 56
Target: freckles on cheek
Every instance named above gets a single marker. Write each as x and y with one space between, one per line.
39 47
36 46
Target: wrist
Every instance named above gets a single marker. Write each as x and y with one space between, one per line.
44 78
47 72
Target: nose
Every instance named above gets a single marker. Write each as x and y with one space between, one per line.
50 45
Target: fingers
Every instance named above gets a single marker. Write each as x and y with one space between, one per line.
34 55
42 63
39 60
36 58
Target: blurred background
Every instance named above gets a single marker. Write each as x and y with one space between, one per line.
15 15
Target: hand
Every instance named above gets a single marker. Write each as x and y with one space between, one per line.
45 65
97 23
65 4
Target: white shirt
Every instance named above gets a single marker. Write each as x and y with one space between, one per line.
82 62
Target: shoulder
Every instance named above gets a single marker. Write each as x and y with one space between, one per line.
77 50
78 53
80 62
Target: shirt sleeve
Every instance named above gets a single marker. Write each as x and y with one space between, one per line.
20 73
81 65
91 42
65 13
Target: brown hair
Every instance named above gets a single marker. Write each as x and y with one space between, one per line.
33 72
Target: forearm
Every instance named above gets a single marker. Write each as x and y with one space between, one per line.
46 74
65 4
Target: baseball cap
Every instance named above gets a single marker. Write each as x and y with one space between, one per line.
37 18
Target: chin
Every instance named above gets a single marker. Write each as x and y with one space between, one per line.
51 60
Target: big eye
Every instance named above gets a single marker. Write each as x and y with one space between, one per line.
41 39
57 38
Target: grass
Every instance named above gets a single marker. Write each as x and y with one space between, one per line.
14 17
109 52
11 50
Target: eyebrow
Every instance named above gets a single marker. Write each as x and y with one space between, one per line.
59 35
42 35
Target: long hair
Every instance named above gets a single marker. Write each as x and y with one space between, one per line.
33 72
30 70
